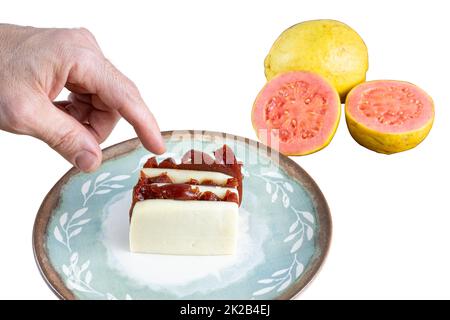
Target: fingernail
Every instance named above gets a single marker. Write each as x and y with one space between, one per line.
85 161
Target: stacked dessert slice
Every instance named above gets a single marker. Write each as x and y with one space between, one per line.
187 208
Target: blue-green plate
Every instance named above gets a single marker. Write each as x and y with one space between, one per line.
80 237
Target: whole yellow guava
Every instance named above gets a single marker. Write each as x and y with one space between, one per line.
327 47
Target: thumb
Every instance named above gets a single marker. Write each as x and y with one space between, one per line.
68 137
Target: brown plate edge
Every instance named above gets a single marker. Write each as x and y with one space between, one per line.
294 170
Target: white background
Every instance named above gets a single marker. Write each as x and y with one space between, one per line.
199 65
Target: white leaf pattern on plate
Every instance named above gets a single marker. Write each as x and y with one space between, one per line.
80 278
85 266
119 178
81 222
293 227
103 191
298 231
297 245
288 187
58 236
284 285
308 216
75 232
85 187
272 174
74 258
309 232
280 272
275 196
290 237
101 185
66 270
299 270
79 213
116 186
265 281
63 219
286 201
102 177
88 277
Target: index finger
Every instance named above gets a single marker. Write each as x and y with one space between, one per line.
98 76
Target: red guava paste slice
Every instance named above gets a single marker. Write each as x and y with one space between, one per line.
296 113
224 161
178 191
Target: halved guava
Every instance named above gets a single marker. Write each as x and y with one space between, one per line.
389 116
296 113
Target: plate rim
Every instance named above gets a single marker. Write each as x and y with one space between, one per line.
293 169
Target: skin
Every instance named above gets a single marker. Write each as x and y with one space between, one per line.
36 64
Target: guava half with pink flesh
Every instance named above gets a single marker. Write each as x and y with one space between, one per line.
389 116
296 113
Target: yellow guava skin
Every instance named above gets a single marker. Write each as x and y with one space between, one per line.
386 143
326 47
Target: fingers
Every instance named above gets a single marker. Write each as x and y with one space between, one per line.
118 93
67 136
101 120
61 104
86 98
93 114
89 37
78 110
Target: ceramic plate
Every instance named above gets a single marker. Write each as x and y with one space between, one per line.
80 237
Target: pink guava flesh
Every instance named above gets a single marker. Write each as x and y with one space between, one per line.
296 113
390 106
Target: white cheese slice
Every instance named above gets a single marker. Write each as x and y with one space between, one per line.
183 176
184 227
218 191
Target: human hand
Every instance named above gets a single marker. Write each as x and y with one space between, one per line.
36 64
